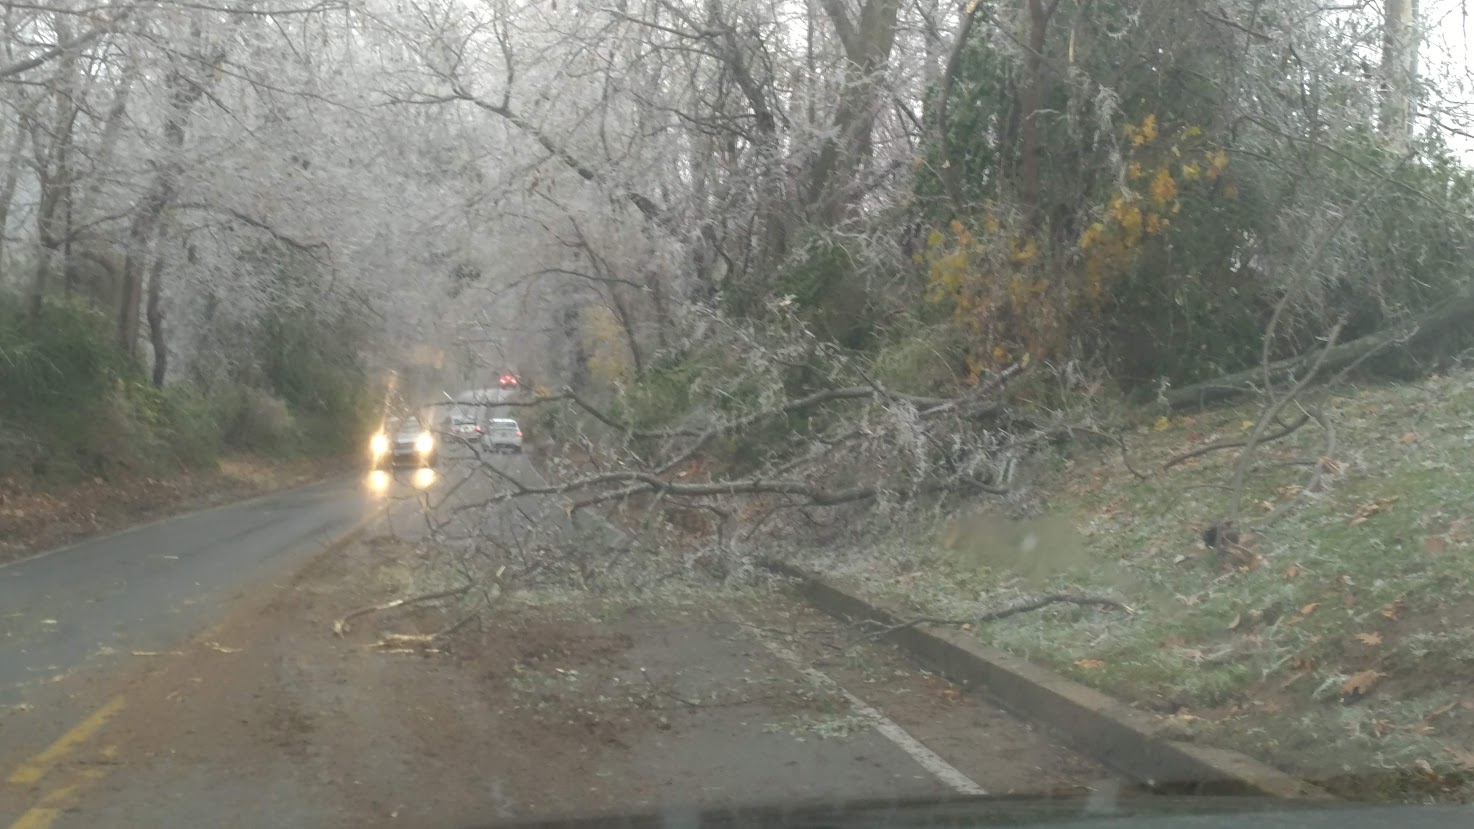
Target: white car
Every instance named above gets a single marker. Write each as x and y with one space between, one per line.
502 434
464 425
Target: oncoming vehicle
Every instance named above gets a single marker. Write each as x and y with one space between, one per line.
503 435
404 443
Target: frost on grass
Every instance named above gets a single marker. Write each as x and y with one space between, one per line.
1253 646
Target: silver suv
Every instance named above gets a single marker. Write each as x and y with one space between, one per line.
502 435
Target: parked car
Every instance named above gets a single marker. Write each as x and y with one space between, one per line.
502 435
404 443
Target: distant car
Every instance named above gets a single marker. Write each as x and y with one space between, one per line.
502 435
405 443
464 426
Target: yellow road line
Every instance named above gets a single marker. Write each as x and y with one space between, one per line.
37 818
55 802
36 768
45 813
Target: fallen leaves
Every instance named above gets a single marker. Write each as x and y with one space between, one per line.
1359 685
1409 437
1292 571
1089 664
1426 769
1435 544
1367 510
1393 610
1462 757
1371 640
1162 424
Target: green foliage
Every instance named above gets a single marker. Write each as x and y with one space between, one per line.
61 364
85 410
925 361
1169 222
827 289
661 396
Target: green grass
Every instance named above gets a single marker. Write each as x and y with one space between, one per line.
1251 653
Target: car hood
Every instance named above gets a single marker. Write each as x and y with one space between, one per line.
1096 810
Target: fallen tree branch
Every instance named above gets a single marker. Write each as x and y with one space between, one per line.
1342 359
1004 612
1317 471
341 627
1271 414
1232 444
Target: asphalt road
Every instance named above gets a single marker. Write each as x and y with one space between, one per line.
75 623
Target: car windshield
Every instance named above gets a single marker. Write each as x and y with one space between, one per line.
456 412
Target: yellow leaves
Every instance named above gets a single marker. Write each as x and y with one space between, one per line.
603 336
1371 640
1164 188
1024 253
935 239
1144 134
1133 171
1217 163
1190 171
1155 224
1230 192
1131 225
957 228
1000 355
1162 424
1091 235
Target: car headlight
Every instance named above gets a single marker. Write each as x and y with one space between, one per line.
424 443
379 444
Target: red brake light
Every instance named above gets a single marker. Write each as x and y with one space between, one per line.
519 433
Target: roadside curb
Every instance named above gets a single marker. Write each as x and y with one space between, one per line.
1123 738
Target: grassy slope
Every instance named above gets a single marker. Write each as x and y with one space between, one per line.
1375 573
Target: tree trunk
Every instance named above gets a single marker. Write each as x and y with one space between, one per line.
7 187
867 46
156 316
149 210
141 232
1399 71
1031 100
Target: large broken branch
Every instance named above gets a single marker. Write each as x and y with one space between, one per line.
1456 312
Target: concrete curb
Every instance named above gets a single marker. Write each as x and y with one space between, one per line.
1123 738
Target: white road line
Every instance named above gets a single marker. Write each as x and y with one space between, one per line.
928 759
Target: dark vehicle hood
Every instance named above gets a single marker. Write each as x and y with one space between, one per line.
1089 811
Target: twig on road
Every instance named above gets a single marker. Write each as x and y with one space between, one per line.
341 627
